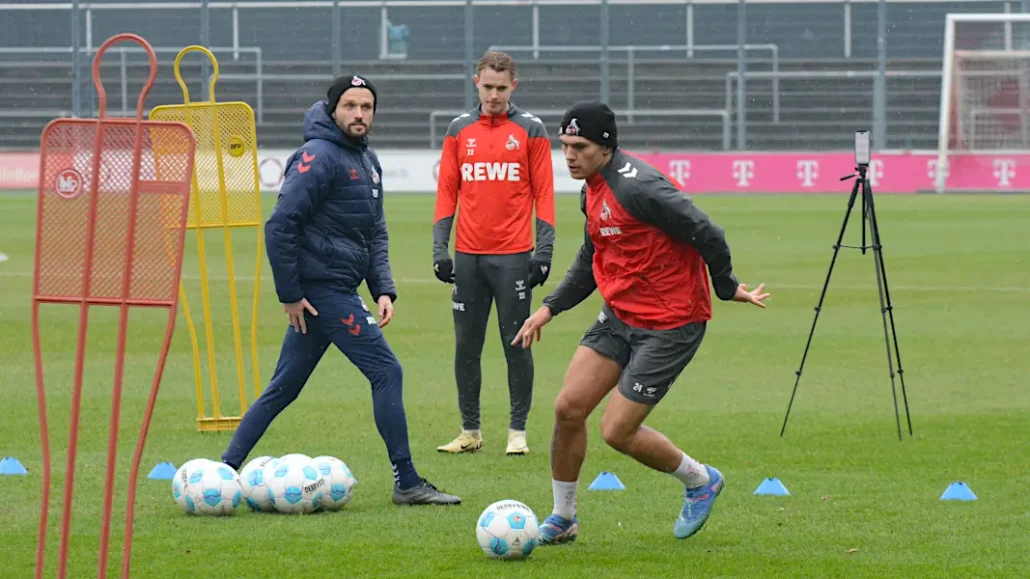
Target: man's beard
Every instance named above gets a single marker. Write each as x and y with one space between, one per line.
347 129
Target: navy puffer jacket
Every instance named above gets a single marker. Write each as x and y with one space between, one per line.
328 227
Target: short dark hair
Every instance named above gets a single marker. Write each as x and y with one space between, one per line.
498 61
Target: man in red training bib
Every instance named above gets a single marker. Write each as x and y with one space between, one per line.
645 248
495 171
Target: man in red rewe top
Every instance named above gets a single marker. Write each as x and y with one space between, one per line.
494 171
646 247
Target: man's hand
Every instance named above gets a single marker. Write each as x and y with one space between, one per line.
295 313
444 270
385 310
531 327
754 297
538 272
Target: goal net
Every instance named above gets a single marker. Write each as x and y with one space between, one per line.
984 126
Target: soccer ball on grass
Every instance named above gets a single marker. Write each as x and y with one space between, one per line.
180 481
254 483
206 487
507 530
340 482
296 484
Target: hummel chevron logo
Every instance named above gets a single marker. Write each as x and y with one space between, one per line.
305 158
629 171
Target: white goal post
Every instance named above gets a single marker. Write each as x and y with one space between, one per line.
985 88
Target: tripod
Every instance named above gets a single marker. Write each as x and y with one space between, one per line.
886 309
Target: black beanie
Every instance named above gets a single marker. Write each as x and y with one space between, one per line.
592 120
343 83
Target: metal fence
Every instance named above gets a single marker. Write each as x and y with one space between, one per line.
444 29
869 33
721 114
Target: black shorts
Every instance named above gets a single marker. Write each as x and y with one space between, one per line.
651 360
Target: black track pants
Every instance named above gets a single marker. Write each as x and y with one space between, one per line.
479 281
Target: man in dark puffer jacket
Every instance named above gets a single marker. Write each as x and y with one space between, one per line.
326 235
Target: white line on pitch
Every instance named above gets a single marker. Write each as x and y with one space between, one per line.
771 286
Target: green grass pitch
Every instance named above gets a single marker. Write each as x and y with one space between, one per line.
863 504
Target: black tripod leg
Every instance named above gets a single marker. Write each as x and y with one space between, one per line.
887 310
819 307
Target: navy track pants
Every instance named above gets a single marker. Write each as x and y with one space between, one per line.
343 321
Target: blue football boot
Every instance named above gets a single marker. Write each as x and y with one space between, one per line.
556 530
697 505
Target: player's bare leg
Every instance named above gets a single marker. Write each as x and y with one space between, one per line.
589 379
623 430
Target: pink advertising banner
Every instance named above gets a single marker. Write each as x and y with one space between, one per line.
19 171
697 173
821 172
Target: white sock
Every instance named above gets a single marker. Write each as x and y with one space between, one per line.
691 473
564 498
475 433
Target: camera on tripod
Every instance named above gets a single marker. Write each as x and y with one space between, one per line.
863 189
863 150
863 156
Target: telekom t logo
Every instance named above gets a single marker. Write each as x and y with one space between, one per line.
807 171
932 169
875 172
743 172
679 169
1004 171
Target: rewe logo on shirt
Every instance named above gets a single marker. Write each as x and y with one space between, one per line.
490 171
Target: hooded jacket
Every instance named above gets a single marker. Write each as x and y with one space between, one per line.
328 226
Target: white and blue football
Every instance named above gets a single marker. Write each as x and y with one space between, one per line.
180 481
507 530
254 485
212 488
341 482
296 484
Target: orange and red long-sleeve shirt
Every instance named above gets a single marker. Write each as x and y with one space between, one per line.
498 169
645 248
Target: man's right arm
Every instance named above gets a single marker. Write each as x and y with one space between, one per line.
306 182
579 281
446 194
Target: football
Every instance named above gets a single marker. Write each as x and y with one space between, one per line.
296 484
181 480
254 485
508 530
212 488
340 482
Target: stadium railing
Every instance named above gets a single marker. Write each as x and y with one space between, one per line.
722 114
632 51
123 63
731 77
261 78
775 76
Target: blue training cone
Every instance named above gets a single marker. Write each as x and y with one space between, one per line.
772 486
607 481
163 471
12 466
958 491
